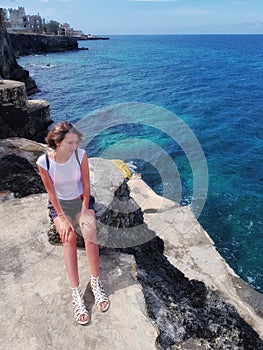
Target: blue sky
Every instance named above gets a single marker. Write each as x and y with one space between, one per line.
150 16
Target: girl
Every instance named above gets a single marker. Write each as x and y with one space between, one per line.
65 175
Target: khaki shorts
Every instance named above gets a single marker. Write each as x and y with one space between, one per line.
70 207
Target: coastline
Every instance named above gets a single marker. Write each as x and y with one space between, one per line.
195 260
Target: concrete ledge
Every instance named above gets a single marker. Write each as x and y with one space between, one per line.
36 309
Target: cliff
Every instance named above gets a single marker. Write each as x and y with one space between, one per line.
29 44
168 286
15 45
9 68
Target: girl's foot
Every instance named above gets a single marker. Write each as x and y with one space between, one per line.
101 300
81 313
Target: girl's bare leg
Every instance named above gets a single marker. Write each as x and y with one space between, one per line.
70 256
71 265
88 228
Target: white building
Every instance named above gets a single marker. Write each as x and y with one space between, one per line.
18 19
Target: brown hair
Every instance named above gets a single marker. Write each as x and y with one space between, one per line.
59 131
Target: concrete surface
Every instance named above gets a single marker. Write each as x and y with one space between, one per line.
35 303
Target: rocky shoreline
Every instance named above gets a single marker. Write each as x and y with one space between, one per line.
187 296
31 44
14 45
9 68
188 312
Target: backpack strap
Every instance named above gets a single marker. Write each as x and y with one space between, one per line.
48 164
47 161
77 156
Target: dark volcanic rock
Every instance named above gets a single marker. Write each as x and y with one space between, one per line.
22 117
187 314
15 45
185 311
122 225
29 44
18 176
9 68
21 74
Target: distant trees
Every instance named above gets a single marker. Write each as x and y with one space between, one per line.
52 27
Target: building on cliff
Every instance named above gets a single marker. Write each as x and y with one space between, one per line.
35 24
66 30
20 22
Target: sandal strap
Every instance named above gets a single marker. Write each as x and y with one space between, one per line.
79 307
99 294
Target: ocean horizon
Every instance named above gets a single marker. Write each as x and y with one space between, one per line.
212 83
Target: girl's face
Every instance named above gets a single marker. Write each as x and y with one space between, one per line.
69 144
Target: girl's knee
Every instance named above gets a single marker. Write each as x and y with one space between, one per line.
90 242
71 241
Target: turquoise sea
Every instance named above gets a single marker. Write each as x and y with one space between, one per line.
213 83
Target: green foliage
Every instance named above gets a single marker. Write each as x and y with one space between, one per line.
52 27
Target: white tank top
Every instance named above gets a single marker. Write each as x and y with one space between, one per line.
66 177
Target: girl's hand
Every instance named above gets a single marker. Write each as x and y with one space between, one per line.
65 227
85 219
87 224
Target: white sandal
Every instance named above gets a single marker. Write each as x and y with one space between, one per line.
79 306
99 294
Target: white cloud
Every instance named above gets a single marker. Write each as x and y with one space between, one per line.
45 1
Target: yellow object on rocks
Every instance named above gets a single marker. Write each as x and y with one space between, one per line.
122 166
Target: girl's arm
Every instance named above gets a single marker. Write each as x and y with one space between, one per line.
85 182
63 224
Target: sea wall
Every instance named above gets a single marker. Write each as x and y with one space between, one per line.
171 290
